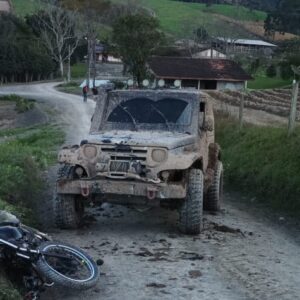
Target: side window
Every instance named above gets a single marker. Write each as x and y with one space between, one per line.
202 113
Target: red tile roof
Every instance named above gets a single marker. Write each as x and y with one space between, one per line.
196 69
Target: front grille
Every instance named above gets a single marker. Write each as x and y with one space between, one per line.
128 150
119 166
124 159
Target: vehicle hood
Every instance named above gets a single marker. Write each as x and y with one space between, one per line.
169 140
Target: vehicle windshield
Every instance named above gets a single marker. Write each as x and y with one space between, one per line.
144 113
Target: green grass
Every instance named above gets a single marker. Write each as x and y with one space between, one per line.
237 13
180 18
24 7
79 70
72 87
22 104
263 162
21 161
7 291
263 82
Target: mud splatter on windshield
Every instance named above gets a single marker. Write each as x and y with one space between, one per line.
142 110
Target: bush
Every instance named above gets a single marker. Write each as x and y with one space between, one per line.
271 71
286 71
22 104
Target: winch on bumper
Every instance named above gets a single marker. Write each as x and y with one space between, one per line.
128 188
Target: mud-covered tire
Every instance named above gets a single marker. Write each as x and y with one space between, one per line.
214 194
191 209
68 211
53 275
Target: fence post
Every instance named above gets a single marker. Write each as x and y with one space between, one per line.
241 110
293 112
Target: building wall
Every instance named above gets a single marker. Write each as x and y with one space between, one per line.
208 54
5 6
228 85
207 84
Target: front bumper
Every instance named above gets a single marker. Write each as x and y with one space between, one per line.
118 187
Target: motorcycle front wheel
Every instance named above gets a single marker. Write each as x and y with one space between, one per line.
67 266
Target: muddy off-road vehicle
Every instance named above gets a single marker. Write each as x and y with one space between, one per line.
145 148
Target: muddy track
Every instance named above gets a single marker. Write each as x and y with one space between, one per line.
242 253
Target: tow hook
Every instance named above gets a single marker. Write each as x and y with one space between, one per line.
85 189
151 193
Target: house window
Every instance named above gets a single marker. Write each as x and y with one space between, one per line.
189 84
208 85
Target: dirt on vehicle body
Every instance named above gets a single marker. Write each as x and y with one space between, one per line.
146 147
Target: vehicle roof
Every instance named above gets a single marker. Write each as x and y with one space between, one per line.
158 93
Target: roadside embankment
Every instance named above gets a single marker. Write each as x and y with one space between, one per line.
263 162
25 153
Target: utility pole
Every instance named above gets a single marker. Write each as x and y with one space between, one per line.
293 112
88 62
295 91
94 63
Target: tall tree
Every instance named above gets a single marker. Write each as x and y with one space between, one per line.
59 30
136 37
22 55
285 18
92 14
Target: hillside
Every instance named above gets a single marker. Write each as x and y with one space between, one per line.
179 19
24 7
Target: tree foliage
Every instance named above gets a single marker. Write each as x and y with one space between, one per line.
136 37
22 55
59 31
285 18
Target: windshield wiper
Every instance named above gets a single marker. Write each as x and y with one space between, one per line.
130 115
162 115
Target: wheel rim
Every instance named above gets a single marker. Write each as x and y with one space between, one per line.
68 263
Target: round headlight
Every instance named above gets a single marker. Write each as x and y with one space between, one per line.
90 152
159 155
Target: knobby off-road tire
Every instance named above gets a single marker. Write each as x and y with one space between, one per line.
214 194
68 209
191 210
53 275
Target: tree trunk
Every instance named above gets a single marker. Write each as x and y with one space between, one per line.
61 67
69 65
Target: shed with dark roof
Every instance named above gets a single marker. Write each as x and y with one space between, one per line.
199 73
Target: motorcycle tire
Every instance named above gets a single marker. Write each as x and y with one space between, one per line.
58 259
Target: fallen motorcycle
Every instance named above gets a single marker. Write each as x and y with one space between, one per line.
43 262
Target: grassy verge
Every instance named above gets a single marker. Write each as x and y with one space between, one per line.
22 104
7 291
22 159
262 161
21 162
263 82
70 88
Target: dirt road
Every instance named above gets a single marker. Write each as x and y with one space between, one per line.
242 253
